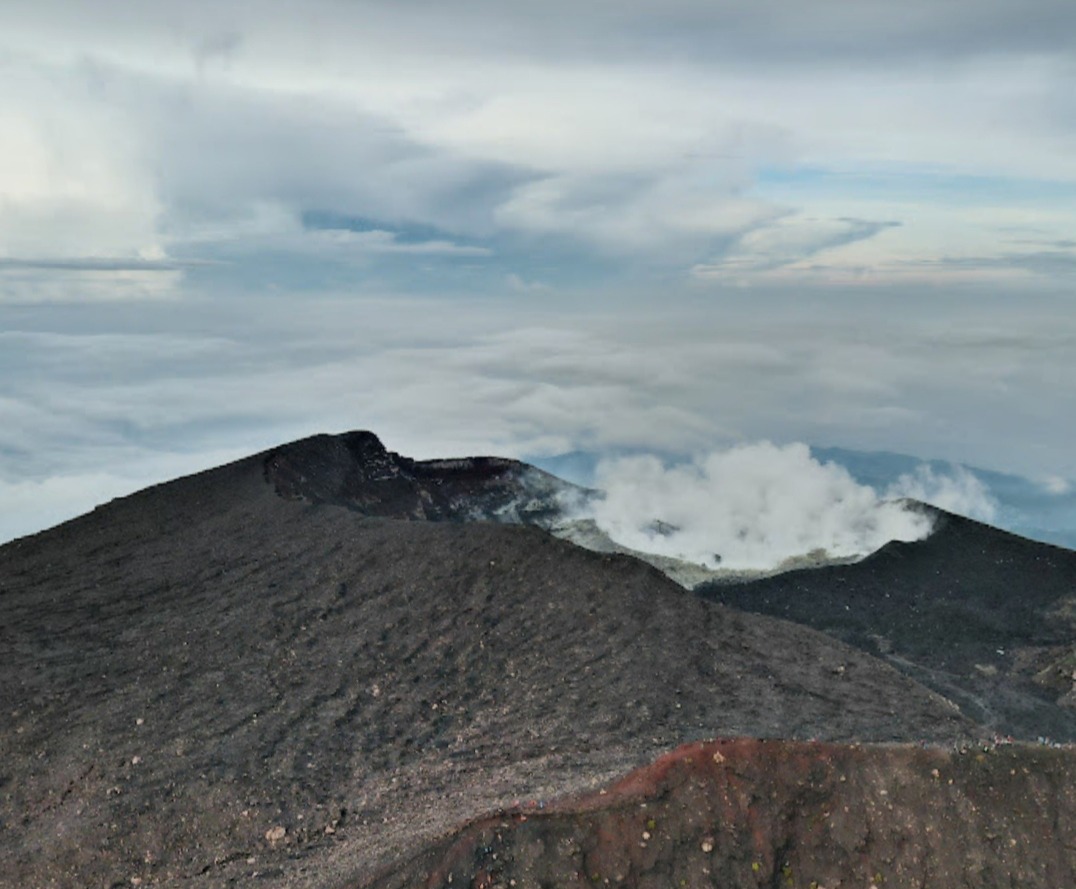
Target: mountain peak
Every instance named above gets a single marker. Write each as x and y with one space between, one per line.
355 470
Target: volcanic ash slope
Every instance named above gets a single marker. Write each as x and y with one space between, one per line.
984 617
747 814
212 679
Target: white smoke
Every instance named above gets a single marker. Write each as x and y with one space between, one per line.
750 507
959 491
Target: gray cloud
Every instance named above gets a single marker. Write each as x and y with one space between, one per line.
1048 263
825 31
390 112
233 152
454 377
788 240
1060 244
217 47
94 264
166 165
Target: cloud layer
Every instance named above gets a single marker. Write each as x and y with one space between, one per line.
729 141
107 390
522 229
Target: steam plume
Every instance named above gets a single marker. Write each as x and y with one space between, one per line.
960 492
750 507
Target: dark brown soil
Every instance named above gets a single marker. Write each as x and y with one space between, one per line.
208 681
748 814
984 617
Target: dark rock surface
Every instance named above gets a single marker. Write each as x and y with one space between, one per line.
356 471
983 616
754 815
208 680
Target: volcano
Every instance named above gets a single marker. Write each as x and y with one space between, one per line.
315 666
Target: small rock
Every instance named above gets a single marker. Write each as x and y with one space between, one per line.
275 834
707 845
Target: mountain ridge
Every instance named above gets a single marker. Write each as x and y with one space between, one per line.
983 616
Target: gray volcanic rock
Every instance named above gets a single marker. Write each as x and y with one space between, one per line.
983 616
208 680
356 471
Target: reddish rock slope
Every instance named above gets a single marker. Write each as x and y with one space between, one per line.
748 813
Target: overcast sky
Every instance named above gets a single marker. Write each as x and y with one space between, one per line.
531 227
